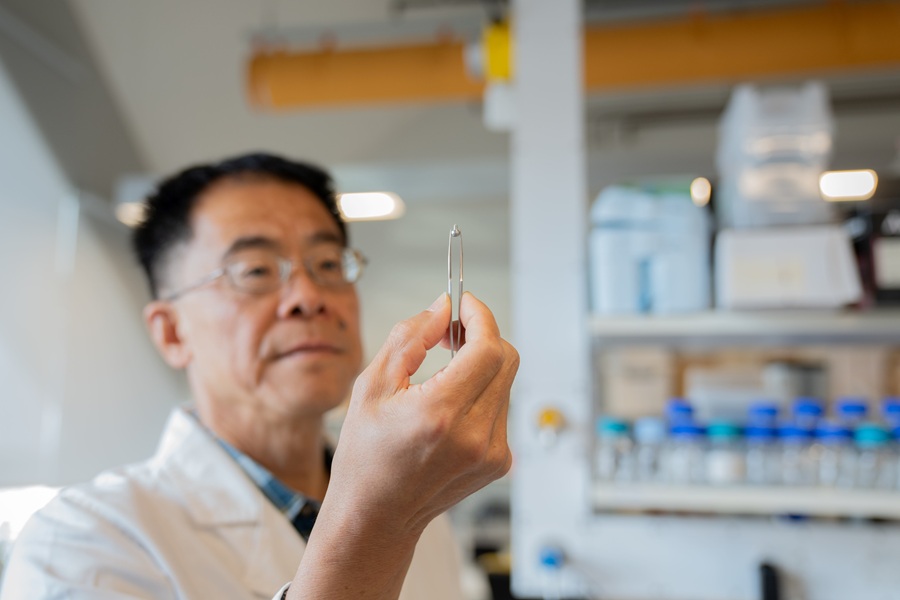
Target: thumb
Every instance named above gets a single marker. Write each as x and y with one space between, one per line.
408 344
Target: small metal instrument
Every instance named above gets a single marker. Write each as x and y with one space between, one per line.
455 325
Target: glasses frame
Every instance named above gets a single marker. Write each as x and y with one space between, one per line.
286 269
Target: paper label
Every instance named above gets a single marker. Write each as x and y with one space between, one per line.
768 277
887 262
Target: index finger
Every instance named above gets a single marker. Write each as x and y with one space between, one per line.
477 319
478 361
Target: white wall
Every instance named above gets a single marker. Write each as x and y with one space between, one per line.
81 388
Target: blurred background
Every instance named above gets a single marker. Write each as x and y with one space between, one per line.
686 215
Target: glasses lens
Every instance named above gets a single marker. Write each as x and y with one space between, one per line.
255 271
354 262
334 266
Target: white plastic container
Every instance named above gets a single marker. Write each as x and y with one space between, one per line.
649 252
773 145
786 267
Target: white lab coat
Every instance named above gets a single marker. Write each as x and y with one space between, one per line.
187 524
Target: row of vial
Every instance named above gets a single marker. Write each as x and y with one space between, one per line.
847 450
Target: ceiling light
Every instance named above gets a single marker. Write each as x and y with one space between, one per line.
130 197
701 191
131 213
848 185
371 206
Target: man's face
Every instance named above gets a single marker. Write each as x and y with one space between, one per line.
292 352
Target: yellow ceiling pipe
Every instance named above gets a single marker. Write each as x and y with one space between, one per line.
413 73
729 47
801 41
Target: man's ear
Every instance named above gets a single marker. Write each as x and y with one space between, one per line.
161 319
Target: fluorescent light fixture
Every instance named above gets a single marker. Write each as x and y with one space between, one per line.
131 213
701 191
371 206
848 185
130 196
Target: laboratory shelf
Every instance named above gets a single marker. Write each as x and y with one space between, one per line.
747 500
788 326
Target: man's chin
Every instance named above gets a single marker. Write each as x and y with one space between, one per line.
302 398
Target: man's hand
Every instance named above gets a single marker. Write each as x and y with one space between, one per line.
409 452
412 451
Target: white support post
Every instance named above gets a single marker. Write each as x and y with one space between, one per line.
550 488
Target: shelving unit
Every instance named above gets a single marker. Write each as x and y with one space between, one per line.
745 500
763 327
661 541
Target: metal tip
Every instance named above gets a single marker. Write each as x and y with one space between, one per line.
455 231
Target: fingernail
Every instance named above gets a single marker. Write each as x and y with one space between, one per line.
438 303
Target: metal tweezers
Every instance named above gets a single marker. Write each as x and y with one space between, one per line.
455 330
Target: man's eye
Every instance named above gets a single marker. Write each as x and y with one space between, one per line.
329 265
256 271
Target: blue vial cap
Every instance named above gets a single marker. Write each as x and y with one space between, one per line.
833 432
687 430
763 409
649 430
611 427
678 409
870 435
760 433
852 407
551 557
811 407
890 407
723 430
791 433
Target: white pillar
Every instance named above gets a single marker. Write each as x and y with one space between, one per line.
549 227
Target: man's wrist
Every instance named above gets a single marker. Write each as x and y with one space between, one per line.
352 554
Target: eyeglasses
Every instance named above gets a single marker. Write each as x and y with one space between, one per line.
260 271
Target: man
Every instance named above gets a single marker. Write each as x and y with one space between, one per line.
253 291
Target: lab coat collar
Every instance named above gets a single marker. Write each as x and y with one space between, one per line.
219 495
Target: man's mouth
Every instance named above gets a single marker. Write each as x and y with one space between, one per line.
310 348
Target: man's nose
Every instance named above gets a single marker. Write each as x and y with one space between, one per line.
301 295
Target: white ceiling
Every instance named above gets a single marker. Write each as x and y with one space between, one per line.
176 71
176 68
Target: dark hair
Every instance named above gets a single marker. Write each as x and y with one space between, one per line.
167 219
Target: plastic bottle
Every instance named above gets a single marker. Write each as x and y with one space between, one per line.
835 455
762 413
763 456
725 461
876 464
852 411
649 251
797 466
614 448
649 436
807 412
683 461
